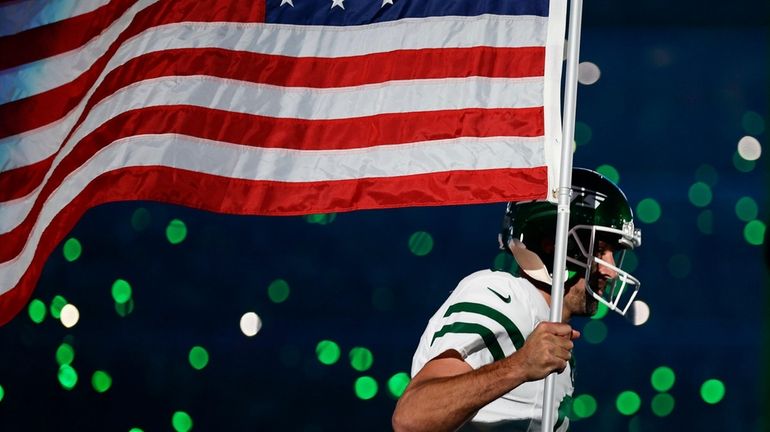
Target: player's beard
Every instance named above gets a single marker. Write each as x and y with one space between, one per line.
591 304
580 301
597 284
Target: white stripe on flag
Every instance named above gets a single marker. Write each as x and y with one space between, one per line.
289 40
274 101
214 157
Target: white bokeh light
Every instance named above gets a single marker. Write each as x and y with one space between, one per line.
69 315
640 313
588 73
749 148
251 323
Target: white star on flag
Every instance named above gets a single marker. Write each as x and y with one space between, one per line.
385 2
288 2
337 3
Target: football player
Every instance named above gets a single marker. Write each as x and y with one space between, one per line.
483 357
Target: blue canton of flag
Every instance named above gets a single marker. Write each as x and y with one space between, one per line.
358 12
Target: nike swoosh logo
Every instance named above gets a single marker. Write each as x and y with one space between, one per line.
505 299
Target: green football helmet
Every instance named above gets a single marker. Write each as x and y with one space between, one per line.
599 212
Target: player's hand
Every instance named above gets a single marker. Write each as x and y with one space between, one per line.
547 349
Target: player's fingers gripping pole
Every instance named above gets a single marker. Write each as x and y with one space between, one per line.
565 180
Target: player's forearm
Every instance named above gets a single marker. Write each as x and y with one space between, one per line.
446 403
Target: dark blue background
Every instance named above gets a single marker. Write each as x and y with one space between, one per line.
677 77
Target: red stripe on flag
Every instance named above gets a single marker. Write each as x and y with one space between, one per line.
258 131
43 108
20 182
243 197
59 37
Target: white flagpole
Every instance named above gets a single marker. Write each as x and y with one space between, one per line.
565 181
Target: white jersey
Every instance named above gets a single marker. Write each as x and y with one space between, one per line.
487 318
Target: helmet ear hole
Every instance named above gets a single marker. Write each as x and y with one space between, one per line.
547 245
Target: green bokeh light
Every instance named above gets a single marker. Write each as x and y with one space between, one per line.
181 421
421 243
123 309
176 231
610 172
583 133
135 430
648 210
328 352
753 123
72 249
505 262
361 358
628 403
321 219
36 311
2 393
662 404
705 222
584 406
57 304
397 384
140 219
601 311
742 164
68 377
101 381
65 354
707 174
700 194
365 387
595 331
121 291
712 391
754 232
278 291
746 209
663 379
198 357
679 266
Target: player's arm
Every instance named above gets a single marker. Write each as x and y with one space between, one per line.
447 392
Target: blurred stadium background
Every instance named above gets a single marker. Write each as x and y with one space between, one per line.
183 319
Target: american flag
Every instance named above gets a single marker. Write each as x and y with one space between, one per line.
277 107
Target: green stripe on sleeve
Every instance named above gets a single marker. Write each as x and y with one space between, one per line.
486 335
513 332
565 407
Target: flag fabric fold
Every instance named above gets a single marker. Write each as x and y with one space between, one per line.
277 107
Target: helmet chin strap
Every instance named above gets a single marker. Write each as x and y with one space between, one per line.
529 262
